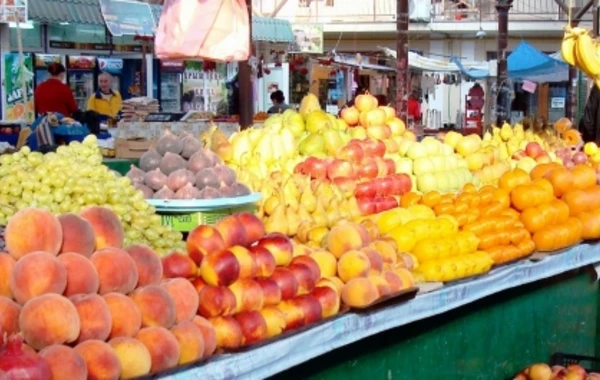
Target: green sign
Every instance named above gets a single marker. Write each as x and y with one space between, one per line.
14 73
309 39
181 223
128 17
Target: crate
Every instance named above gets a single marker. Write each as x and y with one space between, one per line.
186 222
132 148
590 363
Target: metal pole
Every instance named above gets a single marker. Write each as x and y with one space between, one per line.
502 88
245 82
571 101
402 59
595 17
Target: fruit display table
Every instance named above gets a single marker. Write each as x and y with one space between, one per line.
515 315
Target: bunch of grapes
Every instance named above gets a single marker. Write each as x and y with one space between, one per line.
73 178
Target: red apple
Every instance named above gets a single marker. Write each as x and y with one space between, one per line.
340 168
519 154
543 158
405 183
533 149
315 167
381 166
366 206
390 203
179 265
368 168
391 166
386 186
352 152
366 190
346 185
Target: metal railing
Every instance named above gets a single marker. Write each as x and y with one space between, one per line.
352 11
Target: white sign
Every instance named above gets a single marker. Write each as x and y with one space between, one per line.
557 102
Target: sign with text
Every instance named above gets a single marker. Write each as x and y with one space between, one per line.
167 65
14 73
81 62
309 39
11 10
43 61
128 18
111 65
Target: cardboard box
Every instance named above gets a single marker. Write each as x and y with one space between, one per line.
132 148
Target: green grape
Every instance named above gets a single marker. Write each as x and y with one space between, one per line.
59 195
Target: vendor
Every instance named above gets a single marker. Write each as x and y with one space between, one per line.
53 95
413 106
278 100
106 102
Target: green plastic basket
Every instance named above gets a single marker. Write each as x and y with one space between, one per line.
186 222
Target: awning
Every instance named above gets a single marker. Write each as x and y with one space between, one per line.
266 29
362 65
418 62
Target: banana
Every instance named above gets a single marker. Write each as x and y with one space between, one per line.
586 57
567 48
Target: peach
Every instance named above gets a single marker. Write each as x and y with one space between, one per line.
344 238
253 326
393 280
385 250
248 295
359 292
310 263
36 274
7 263
248 267
255 229
326 261
292 313
126 316
28 348
216 300
371 228
383 287
198 284
82 277
375 259
33 230
311 308
49 319
265 262
275 320
209 334
156 305
408 280
301 250
191 341
405 260
220 268
101 360
78 235
304 277
64 362
179 265
232 231
280 247
329 300
149 265
287 282
203 240
133 355
228 332
95 318
116 269
9 316
162 346
107 227
185 297
271 291
353 264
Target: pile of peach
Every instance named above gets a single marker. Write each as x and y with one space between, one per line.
89 307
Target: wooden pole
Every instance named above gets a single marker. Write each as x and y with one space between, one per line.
402 59
246 100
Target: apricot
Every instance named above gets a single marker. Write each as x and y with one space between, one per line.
33 230
253 326
359 292
184 296
375 259
126 316
408 280
106 225
49 319
9 316
156 305
326 261
274 319
82 277
203 240
64 362
216 300
353 264
36 274
162 346
385 250
78 235
95 318
7 263
248 295
208 333
191 341
346 237
116 270
329 299
393 280
248 267
179 265
228 332
149 266
101 360
133 355
383 287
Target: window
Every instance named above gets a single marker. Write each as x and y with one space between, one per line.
31 38
77 33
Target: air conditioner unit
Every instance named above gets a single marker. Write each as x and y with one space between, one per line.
419 10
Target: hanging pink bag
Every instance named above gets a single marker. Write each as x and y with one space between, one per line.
218 30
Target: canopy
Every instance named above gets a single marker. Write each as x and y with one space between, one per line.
418 62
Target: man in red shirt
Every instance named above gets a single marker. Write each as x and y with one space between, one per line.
53 95
413 107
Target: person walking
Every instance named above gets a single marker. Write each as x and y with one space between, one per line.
53 95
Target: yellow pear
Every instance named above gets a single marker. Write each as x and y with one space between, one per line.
303 230
353 209
333 214
319 217
293 221
308 200
290 195
303 213
317 234
277 222
270 204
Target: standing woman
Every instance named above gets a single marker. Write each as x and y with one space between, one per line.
53 95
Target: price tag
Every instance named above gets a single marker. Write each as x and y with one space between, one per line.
181 223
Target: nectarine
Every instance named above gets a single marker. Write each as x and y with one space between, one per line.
253 326
179 265
255 229
203 240
265 262
228 332
220 268
280 247
215 301
232 231
248 295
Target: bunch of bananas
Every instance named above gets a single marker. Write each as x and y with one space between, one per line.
580 49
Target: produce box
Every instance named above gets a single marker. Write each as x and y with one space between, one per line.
186 222
132 148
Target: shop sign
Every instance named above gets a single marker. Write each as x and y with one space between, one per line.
80 62
45 60
110 65
309 39
13 87
92 46
168 65
131 18
558 102
10 10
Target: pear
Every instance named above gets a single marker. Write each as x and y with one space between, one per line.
290 195
271 204
332 214
303 230
277 221
293 221
319 217
308 200
303 213
353 209
317 234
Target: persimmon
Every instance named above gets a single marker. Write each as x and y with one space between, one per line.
541 170
461 207
561 179
590 225
444 209
584 177
469 188
577 200
511 212
501 196
431 198
409 199
526 247
518 235
532 219
512 179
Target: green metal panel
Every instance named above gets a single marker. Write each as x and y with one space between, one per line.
266 29
493 338
120 165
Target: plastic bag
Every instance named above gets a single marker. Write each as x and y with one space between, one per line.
217 30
